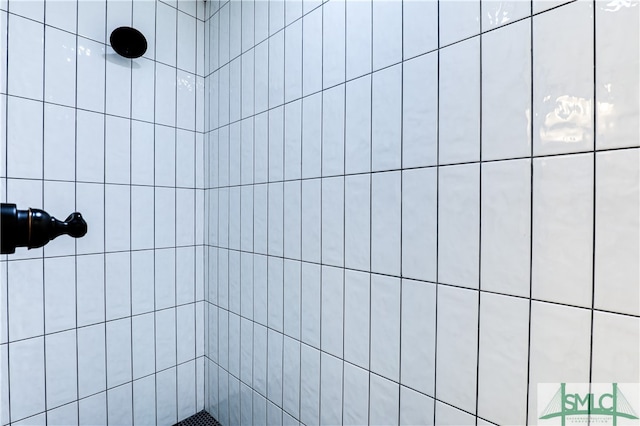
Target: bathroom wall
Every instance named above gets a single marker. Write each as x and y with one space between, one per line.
106 329
419 211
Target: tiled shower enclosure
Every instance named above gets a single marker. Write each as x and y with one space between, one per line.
304 212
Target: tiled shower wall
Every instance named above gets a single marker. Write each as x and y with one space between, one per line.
418 211
108 328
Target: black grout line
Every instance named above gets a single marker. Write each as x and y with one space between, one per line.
104 230
435 327
131 342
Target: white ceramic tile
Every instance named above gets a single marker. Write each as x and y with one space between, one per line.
617 87
186 390
419 110
185 330
506 227
330 390
235 95
332 311
165 105
247 31
3 45
385 326
185 155
451 416
293 140
415 408
165 158
93 409
458 20
419 27
223 399
309 386
311 220
386 118
261 20
292 301
25 59
387 33
291 377
61 368
234 345
185 275
91 74
333 43
358 35
459 113
186 43
293 60
355 395
260 290
276 219
118 84
120 410
615 339
557 354
185 100
496 13
260 359
261 77
117 225
144 20
356 318
457 345
311 136
59 296
274 367
92 375
90 285
543 5
502 359
311 294
24 132
458 227
142 232
64 415
418 338
275 290
27 372
333 238
563 76
246 219
60 143
383 404
235 28
261 148
60 67
616 238
118 286
165 338
117 150
166 18
166 392
276 144
386 222
276 69
333 133
311 52
563 229
358 125
118 352
25 299
90 146
62 15
259 404
223 156
419 223
246 350
357 221
142 328
506 69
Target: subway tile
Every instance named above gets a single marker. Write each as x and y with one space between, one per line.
386 206
385 328
333 43
27 372
387 33
458 20
24 57
92 375
386 119
358 125
355 406
120 410
91 68
563 75
420 27
359 38
60 67
383 404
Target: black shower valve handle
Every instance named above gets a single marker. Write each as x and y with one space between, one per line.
34 228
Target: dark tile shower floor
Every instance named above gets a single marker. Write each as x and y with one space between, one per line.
199 419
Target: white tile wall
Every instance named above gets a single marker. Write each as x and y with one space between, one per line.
427 205
118 140
280 235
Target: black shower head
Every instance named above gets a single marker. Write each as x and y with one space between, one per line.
128 42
